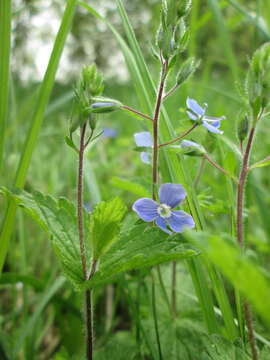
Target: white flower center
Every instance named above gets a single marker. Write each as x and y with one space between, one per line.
164 211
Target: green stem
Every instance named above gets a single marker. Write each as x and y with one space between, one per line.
174 306
240 235
5 30
30 143
154 309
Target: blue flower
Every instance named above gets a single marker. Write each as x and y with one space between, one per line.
144 140
170 196
110 133
197 113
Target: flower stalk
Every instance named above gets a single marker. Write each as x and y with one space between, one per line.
240 234
155 127
88 294
180 137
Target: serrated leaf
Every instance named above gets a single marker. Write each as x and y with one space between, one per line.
58 219
143 246
105 222
218 348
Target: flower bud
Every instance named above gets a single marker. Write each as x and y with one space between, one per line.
192 149
186 70
257 80
104 107
243 127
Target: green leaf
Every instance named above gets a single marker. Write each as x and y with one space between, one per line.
245 276
218 348
105 224
58 219
143 246
130 186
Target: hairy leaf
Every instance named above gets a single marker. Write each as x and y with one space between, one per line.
105 224
142 246
58 219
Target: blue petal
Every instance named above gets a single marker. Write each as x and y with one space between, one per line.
145 157
171 194
187 143
191 115
179 221
161 223
143 139
102 105
195 107
110 133
212 128
146 209
214 119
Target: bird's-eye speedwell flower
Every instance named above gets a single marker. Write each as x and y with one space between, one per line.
197 113
144 140
170 196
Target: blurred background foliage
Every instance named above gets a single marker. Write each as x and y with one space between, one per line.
224 34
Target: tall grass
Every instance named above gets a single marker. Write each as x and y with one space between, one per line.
5 31
36 123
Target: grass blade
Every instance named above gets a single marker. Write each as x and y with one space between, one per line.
32 137
5 28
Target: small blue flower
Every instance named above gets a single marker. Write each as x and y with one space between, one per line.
197 113
170 196
144 139
110 133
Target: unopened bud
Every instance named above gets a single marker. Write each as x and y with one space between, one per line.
186 70
191 148
243 127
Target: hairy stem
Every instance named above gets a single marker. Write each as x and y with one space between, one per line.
241 189
206 156
179 137
251 333
88 300
155 180
240 235
144 116
155 128
79 201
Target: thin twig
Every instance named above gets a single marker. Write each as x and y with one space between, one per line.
180 136
259 163
206 156
144 116
170 92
